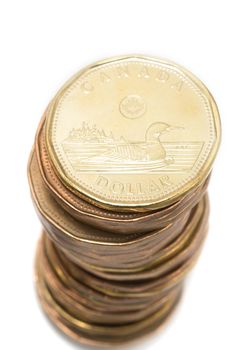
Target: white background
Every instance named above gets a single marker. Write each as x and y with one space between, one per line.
42 43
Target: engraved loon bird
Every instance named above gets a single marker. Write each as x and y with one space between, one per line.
150 150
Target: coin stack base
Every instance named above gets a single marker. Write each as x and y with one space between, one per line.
95 334
123 202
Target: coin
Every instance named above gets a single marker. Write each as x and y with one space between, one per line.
64 313
104 219
64 295
118 175
132 133
88 245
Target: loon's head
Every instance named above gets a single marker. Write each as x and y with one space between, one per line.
155 130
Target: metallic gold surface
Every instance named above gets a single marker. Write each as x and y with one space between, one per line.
133 133
117 222
65 231
77 304
118 175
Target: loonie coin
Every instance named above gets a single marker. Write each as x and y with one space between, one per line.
133 133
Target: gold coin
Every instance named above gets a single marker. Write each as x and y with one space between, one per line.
133 132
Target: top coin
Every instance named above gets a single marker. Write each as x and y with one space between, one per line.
133 132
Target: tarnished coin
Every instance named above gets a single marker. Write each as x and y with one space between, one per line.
96 249
133 133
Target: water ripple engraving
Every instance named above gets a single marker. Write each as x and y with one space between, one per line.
91 149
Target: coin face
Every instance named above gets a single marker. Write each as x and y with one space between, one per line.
133 132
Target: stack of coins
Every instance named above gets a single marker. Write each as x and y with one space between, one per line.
118 175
